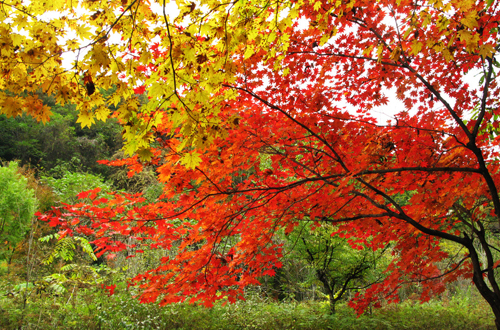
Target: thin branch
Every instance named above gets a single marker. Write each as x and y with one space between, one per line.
484 98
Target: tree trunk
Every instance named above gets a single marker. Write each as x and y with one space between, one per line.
492 299
332 303
329 288
491 296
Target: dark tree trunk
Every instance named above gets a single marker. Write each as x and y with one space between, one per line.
332 303
490 293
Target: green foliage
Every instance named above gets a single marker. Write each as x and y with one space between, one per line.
65 248
17 207
73 274
85 245
58 142
93 309
72 183
336 265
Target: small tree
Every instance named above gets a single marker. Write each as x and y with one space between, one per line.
338 264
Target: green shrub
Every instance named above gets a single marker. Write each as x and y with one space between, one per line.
17 207
72 183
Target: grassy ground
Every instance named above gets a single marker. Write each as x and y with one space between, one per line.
94 310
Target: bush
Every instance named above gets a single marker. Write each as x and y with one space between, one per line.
72 183
17 207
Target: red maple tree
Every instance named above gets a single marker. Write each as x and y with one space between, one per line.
300 143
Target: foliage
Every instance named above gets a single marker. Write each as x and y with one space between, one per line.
70 184
44 195
145 181
337 266
94 310
65 248
203 47
17 207
60 144
299 81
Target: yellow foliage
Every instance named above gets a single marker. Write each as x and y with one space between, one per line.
117 44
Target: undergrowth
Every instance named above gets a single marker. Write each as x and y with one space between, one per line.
93 309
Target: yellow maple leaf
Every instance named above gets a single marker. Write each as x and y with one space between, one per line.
21 21
416 47
16 39
102 113
486 50
83 31
85 118
249 51
44 115
190 160
470 20
145 154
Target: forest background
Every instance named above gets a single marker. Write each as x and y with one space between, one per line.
248 167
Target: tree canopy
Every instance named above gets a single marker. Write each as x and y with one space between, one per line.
261 115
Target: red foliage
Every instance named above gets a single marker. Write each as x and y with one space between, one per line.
290 149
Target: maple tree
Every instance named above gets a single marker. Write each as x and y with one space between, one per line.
261 116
